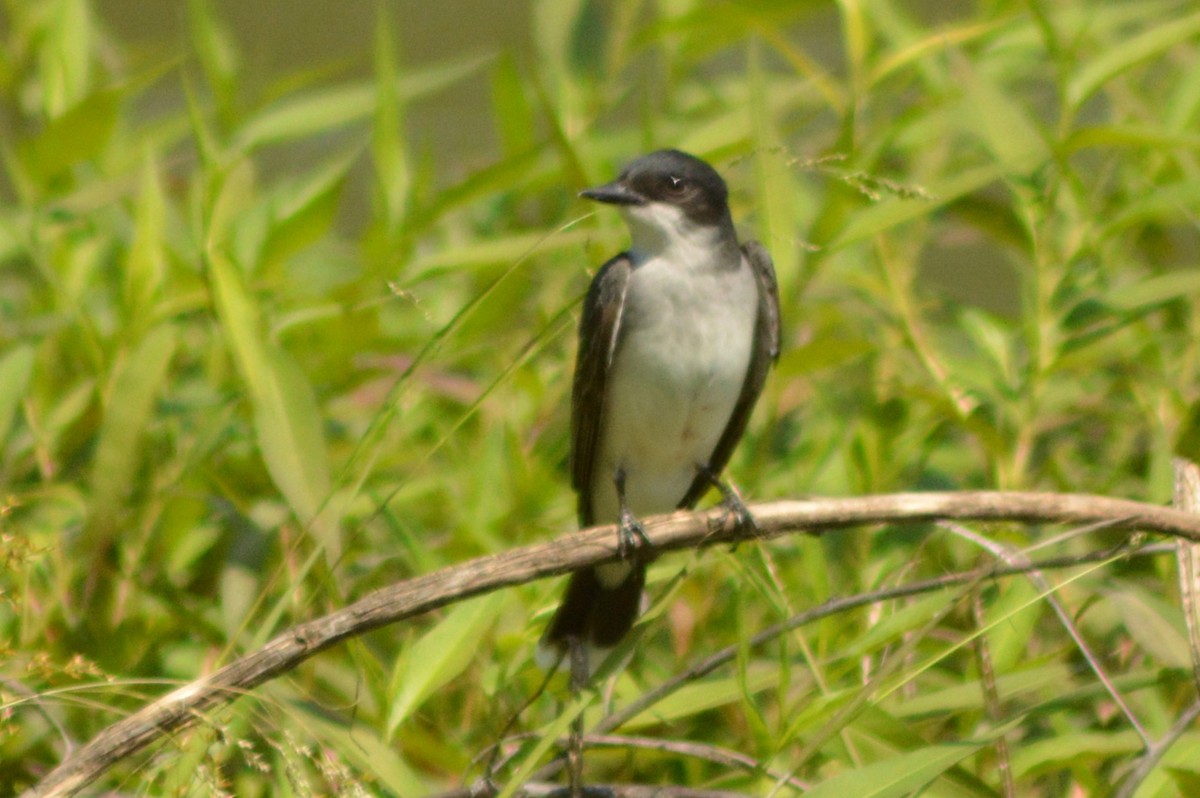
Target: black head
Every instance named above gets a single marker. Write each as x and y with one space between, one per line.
673 178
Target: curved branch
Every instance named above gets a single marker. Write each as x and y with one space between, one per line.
568 552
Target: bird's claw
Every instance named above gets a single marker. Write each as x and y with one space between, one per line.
631 535
735 508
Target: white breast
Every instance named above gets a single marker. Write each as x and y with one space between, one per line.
687 330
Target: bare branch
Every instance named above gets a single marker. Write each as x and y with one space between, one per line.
485 574
1187 498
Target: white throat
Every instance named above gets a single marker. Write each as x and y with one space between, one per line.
664 231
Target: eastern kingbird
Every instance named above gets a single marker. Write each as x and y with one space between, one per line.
677 336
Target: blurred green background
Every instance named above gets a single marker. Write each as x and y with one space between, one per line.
287 307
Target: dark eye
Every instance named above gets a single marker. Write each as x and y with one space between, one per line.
675 185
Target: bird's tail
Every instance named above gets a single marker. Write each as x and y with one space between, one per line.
595 611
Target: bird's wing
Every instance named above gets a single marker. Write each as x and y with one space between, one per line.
598 332
764 353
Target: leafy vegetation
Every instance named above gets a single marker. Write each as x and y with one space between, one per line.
259 354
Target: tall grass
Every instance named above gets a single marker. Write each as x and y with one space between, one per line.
230 399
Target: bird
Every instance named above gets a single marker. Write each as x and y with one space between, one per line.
676 338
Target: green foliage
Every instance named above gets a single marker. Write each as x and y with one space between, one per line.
263 350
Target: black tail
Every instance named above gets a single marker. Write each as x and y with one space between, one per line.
594 613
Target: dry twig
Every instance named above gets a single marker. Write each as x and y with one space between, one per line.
678 531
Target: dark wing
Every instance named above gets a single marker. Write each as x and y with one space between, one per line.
764 354
598 330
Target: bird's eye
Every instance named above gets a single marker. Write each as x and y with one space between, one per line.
675 185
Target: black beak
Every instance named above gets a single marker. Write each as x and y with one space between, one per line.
614 193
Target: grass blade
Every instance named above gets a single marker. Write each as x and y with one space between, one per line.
127 411
286 418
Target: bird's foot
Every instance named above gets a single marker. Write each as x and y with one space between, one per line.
631 535
736 509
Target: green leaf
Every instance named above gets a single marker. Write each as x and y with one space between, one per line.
289 427
392 171
708 694
185 552
213 44
967 695
891 213
891 627
439 655
1009 639
993 114
993 339
552 33
286 419
773 180
1156 290
16 369
127 411
322 110
1186 782
1157 626
1060 751
505 175
301 212
146 263
1168 200
373 756
238 592
899 776
500 249
818 355
1115 60
1114 136
511 107
236 193
66 58
78 135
